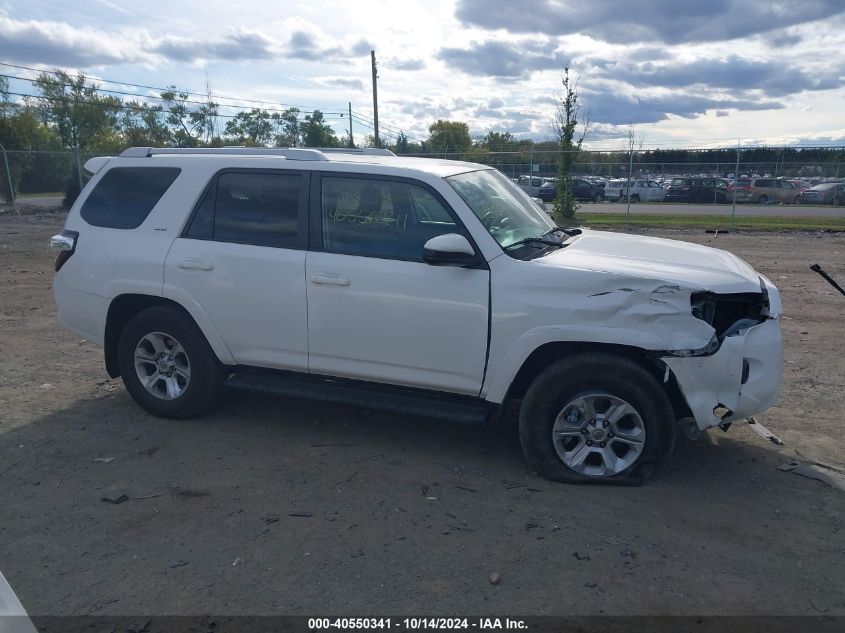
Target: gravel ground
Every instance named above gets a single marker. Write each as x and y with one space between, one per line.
279 506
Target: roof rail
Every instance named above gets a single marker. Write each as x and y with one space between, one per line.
366 151
286 152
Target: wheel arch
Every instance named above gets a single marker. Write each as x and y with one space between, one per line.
123 307
546 354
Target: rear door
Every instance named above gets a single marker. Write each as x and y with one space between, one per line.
376 311
241 262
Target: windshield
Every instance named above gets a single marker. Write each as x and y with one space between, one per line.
503 208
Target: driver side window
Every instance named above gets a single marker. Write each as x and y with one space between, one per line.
380 218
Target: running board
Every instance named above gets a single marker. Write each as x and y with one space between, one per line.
455 408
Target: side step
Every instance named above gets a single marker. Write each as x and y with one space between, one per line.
456 408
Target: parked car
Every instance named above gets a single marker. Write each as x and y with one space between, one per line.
825 193
765 191
586 190
530 184
697 189
428 287
641 190
799 184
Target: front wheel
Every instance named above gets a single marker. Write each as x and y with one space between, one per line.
168 367
595 416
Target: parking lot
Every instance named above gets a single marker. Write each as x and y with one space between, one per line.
279 506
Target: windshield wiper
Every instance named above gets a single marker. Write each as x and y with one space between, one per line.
534 240
564 230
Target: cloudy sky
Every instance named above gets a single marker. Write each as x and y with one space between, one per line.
683 72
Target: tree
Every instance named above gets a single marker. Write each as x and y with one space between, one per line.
288 128
569 144
81 117
190 126
256 128
142 124
402 146
449 136
317 133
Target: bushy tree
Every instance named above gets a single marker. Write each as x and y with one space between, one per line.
449 136
317 133
255 128
81 117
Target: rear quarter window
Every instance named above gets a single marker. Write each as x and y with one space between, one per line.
124 196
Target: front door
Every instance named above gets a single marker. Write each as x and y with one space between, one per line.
376 311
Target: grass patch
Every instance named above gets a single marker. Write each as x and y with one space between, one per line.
49 194
715 222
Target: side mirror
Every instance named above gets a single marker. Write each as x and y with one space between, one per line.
450 249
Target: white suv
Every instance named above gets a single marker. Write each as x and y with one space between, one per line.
431 287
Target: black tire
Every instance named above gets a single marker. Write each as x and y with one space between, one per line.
635 198
206 372
763 199
591 372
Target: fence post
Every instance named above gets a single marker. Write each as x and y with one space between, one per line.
78 167
630 169
736 181
11 188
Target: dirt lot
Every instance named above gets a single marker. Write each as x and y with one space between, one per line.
278 506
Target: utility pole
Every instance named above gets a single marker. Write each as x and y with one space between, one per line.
375 97
351 140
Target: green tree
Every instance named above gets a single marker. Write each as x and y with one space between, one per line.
288 127
449 136
80 115
256 128
317 133
191 124
142 124
402 146
569 144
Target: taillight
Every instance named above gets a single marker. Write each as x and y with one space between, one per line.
65 243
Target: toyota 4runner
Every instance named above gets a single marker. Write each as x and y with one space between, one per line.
431 287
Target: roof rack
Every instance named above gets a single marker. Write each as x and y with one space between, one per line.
365 151
290 153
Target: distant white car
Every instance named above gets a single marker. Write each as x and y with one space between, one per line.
641 191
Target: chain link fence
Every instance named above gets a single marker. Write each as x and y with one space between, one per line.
806 176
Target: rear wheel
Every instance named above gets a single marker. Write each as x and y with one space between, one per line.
635 198
595 416
168 367
763 200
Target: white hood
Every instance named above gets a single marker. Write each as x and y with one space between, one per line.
671 261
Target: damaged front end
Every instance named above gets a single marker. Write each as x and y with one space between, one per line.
737 374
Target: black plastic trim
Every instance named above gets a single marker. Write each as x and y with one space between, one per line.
470 410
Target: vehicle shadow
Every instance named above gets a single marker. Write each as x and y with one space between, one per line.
269 496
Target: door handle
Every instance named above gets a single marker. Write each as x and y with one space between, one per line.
194 263
325 279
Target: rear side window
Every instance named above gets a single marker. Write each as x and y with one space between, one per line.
124 196
260 208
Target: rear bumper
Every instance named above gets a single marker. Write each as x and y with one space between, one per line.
79 312
714 381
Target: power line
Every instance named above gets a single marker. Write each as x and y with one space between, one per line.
139 96
172 88
115 106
